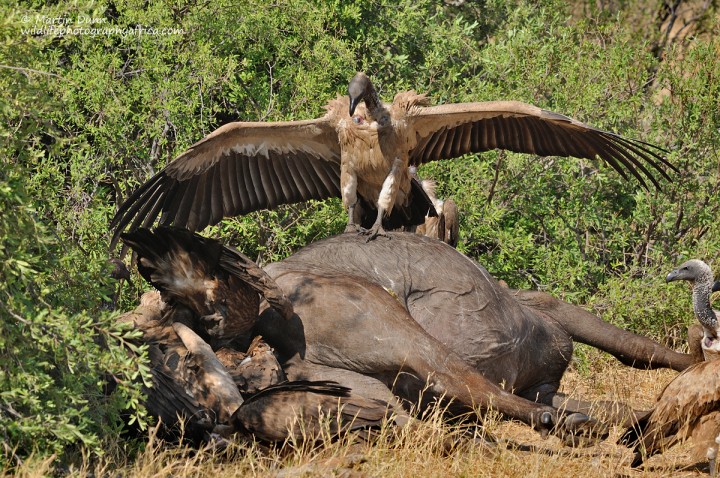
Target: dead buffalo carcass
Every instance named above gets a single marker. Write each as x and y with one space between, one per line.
414 315
351 324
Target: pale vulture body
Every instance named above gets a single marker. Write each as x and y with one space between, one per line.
360 147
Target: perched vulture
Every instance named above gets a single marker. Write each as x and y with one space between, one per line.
701 278
300 409
219 285
360 147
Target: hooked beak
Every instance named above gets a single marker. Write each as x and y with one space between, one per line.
673 276
353 104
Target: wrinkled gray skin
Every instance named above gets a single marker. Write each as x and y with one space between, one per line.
464 333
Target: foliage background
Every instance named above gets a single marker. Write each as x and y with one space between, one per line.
86 118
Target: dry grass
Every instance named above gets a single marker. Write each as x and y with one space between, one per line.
429 449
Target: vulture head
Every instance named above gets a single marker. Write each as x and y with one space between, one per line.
359 86
693 271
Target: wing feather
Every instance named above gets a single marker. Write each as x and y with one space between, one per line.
304 180
255 194
239 168
523 128
218 197
183 210
231 194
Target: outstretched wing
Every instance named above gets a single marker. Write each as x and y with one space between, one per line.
452 130
238 168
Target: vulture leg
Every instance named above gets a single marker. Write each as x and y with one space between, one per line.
388 194
348 188
376 229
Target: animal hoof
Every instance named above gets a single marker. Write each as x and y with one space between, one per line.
547 422
578 430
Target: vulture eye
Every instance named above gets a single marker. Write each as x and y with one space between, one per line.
357 119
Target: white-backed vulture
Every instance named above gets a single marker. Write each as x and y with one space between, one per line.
689 406
360 147
701 278
220 285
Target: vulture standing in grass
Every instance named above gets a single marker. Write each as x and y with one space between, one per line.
361 148
689 406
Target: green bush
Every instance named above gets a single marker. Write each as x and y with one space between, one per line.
58 351
84 119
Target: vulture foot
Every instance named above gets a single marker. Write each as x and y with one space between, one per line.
351 227
373 232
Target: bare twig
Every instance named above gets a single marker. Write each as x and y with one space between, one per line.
27 71
496 176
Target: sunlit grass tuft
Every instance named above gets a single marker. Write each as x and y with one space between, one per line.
431 447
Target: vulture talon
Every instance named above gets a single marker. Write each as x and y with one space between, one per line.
350 228
375 231
225 174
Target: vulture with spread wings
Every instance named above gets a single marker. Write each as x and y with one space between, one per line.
361 147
